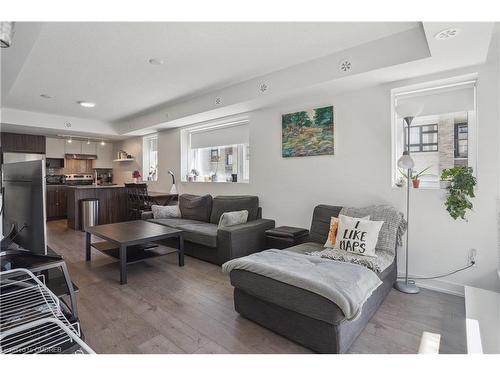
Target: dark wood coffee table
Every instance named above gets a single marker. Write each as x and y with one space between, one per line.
123 241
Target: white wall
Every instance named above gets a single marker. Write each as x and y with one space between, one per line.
122 171
359 174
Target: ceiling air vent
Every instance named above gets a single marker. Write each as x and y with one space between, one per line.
218 101
263 87
345 66
447 34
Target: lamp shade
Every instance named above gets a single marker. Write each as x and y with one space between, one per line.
406 162
409 109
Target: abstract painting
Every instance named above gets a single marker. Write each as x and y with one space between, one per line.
307 133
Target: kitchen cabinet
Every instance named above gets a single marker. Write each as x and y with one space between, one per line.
55 148
25 143
89 148
56 199
104 156
75 147
113 203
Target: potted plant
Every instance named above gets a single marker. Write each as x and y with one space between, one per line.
415 177
460 190
136 175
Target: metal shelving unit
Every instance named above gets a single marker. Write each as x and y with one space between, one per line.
32 319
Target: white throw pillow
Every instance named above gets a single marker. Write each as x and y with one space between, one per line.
357 236
228 219
332 234
165 212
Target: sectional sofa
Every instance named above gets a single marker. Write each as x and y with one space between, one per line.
204 239
298 314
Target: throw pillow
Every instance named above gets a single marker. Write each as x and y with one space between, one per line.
358 236
228 219
165 212
332 234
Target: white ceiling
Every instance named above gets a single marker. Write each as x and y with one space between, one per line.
107 63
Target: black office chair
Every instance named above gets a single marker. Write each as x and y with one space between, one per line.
138 200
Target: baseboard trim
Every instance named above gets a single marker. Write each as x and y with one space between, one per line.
439 285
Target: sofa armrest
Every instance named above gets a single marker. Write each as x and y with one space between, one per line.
146 215
243 239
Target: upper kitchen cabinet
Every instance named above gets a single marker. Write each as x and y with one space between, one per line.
26 143
55 148
104 156
89 148
75 147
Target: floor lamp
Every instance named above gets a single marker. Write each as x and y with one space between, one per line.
408 111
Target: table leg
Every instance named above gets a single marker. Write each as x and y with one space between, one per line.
87 246
181 250
123 264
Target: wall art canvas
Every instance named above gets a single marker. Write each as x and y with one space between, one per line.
308 133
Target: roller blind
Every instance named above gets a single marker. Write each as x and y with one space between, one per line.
453 99
222 135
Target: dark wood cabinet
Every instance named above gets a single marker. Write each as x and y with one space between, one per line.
56 202
112 204
27 143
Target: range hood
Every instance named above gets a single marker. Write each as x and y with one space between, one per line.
80 157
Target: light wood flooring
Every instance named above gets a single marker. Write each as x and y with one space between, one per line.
168 309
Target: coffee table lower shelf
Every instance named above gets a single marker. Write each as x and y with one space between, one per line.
135 253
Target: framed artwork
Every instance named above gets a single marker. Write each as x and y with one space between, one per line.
307 133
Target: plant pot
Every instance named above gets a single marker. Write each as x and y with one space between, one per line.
444 184
136 180
416 183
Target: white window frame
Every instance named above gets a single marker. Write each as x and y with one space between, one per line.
185 138
429 86
146 162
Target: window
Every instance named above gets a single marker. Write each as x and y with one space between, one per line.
441 136
424 138
217 152
150 158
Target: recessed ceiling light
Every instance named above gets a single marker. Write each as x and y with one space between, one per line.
103 143
155 61
45 96
86 104
447 34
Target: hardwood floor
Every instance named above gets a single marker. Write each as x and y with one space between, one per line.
168 309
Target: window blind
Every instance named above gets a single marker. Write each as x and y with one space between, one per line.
452 99
222 135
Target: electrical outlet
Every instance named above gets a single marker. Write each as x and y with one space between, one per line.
473 256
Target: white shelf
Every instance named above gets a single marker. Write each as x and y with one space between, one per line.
127 159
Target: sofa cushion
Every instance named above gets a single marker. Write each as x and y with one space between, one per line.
320 226
201 233
174 222
196 207
228 203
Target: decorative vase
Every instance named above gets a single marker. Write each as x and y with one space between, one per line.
136 180
416 183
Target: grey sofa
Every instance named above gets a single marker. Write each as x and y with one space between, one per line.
300 315
202 237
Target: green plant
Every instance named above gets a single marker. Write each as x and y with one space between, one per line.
415 176
461 188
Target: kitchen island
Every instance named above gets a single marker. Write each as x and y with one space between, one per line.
112 203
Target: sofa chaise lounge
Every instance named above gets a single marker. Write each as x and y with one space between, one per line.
203 238
298 314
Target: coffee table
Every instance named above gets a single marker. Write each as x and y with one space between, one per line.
123 241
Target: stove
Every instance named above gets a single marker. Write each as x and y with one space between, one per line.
79 179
